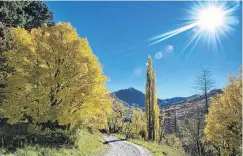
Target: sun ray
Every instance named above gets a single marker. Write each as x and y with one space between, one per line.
176 31
195 36
172 33
195 43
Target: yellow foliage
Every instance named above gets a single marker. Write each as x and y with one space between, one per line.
151 103
57 77
117 117
224 121
137 126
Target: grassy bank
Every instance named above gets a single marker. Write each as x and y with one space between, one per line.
87 144
154 148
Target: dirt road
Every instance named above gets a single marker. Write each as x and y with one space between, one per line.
123 148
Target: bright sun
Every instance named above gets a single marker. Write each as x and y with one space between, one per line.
208 20
211 18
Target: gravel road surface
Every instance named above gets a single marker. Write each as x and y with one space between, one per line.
123 148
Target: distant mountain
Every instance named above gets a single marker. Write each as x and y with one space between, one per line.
133 96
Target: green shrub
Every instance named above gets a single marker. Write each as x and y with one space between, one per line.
86 140
172 141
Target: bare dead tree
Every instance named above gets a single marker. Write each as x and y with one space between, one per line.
205 83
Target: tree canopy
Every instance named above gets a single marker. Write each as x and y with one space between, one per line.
56 77
25 14
224 121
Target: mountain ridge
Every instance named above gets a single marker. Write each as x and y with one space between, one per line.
133 96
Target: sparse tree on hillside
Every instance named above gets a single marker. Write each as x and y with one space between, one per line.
56 78
204 83
151 103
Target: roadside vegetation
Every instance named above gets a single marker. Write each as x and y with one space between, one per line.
170 147
87 144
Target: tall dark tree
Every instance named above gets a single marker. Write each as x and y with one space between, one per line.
151 104
25 14
205 83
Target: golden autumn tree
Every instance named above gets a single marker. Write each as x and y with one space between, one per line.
224 120
136 127
151 103
56 78
156 110
117 117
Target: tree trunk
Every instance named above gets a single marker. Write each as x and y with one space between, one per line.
198 148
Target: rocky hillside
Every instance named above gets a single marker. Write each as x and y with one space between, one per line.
186 109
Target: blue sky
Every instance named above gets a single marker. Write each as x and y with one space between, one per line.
118 34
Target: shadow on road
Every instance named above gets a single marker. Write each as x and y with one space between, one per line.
107 142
